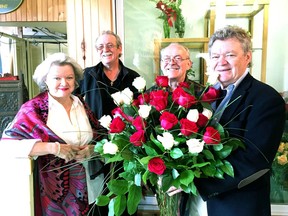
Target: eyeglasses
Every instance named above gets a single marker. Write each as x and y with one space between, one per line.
109 46
178 59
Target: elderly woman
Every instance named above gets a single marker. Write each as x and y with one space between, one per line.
56 128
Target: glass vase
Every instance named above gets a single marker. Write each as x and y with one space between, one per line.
168 205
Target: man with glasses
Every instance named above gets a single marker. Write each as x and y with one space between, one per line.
175 62
100 81
107 77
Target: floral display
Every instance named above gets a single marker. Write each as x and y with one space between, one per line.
162 138
279 178
171 15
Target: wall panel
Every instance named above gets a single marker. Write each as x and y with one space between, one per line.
37 10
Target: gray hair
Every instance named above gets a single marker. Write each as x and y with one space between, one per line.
109 32
59 59
230 31
179 45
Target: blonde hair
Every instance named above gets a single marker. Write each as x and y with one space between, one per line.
59 59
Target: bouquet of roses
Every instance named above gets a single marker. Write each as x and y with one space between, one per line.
280 163
162 134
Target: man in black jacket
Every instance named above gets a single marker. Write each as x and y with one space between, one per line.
107 77
100 81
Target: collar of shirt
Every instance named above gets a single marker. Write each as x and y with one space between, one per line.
53 102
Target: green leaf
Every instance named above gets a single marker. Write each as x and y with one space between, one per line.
201 164
175 173
102 200
115 158
209 170
99 146
127 154
227 168
225 151
153 178
120 205
111 207
118 187
166 182
219 174
134 198
208 154
176 153
217 147
144 176
150 151
235 143
145 160
137 179
186 177
128 110
157 143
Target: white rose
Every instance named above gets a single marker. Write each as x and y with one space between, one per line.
167 140
208 113
139 83
127 96
117 97
144 110
110 148
105 121
195 145
193 115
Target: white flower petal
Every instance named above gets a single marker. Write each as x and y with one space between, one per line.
195 145
193 115
110 148
105 121
144 110
139 83
167 140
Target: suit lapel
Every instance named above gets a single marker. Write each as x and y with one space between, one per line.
237 98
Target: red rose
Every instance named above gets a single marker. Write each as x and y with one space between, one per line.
188 127
139 123
202 120
144 98
138 138
211 95
211 136
182 98
183 84
156 165
135 103
118 112
162 81
117 125
159 99
168 120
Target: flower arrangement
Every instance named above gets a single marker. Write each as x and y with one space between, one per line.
162 135
171 15
279 177
280 163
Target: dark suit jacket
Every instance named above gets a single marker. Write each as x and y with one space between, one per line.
257 117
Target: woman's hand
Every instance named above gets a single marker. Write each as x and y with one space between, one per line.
85 152
66 151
